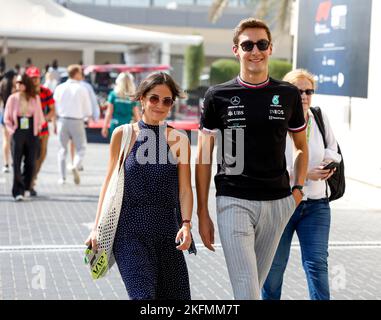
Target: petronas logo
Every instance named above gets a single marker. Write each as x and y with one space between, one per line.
275 100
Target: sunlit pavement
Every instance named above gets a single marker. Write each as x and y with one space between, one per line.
41 242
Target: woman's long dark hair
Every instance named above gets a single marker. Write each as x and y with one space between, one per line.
6 86
30 90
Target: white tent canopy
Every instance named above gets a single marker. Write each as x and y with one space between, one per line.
44 23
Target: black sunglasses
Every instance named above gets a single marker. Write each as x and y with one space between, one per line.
167 102
308 92
248 45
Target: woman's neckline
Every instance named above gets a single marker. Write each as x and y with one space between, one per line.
148 125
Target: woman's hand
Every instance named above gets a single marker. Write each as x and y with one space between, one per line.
319 173
104 132
184 236
92 239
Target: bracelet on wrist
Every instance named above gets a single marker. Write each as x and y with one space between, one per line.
187 222
299 188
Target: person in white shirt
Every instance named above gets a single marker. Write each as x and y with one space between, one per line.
95 115
311 219
50 81
73 105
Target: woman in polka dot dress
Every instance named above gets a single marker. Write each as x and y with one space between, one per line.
150 238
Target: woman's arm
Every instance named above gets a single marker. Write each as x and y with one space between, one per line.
39 113
185 190
109 113
116 139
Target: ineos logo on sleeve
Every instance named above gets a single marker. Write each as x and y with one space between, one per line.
235 100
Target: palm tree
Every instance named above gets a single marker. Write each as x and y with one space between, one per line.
262 9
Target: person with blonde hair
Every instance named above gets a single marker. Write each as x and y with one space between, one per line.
120 108
311 219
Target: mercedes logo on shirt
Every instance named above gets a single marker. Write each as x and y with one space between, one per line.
235 100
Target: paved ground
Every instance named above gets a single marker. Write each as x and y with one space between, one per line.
41 243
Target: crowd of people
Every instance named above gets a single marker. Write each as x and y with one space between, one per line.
28 106
279 188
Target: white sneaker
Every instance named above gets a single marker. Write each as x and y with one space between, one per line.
6 169
61 181
77 179
27 195
19 198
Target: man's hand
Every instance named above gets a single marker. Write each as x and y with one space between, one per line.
298 197
206 230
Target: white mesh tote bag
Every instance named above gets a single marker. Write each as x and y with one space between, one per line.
102 260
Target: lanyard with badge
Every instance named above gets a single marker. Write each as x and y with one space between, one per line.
24 120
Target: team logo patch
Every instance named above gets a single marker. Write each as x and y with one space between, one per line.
235 101
275 100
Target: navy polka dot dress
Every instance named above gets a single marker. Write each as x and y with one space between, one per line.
144 245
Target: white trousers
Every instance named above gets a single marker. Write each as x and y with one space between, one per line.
75 130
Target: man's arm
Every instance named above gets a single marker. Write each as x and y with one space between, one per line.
301 162
203 176
86 103
51 113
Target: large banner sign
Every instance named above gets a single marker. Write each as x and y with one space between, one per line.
333 43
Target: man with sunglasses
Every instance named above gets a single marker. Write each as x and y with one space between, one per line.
254 205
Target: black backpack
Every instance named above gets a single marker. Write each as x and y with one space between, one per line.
337 181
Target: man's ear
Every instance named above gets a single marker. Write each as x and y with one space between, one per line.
235 51
271 49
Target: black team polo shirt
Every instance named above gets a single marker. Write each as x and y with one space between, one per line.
265 112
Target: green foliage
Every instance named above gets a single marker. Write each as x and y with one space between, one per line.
278 68
194 62
223 70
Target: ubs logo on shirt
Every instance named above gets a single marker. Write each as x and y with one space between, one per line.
236 114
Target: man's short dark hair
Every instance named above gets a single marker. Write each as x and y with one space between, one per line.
250 23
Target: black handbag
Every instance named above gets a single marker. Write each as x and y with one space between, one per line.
337 181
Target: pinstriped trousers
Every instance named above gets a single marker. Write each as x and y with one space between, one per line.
250 232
